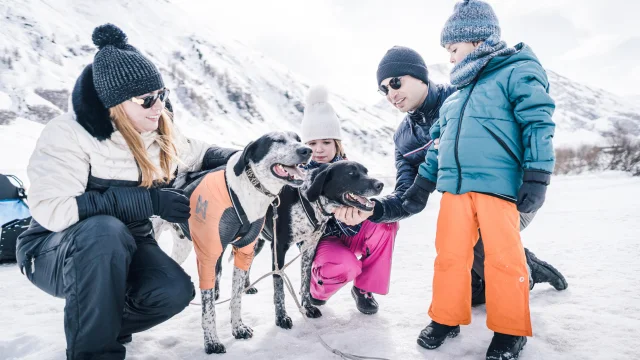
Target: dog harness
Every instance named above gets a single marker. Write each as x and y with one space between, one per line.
217 220
308 210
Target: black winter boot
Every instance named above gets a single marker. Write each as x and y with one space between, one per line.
542 272
505 347
435 334
364 301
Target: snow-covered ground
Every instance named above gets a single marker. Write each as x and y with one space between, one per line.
589 228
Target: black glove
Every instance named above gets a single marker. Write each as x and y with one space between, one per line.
170 204
532 192
415 199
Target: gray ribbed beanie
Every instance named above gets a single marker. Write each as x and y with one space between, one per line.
120 71
472 20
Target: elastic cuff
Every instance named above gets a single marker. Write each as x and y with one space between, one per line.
539 176
378 211
425 184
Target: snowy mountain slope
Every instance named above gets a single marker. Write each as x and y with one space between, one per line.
582 113
222 91
634 99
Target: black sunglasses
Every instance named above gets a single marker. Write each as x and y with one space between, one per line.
148 101
394 83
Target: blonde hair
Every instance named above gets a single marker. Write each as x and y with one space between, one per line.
168 152
340 149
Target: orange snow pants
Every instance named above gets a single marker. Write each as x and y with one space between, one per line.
507 280
209 201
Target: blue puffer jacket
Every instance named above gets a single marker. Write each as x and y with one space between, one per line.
410 140
492 130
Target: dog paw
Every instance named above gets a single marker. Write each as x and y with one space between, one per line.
284 321
214 348
251 290
312 312
242 332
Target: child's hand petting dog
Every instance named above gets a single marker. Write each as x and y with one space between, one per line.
350 215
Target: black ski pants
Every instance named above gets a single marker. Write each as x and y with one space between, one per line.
114 284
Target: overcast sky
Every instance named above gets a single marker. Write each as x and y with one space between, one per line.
339 43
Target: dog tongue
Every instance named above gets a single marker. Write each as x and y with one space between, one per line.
362 200
294 170
279 169
358 198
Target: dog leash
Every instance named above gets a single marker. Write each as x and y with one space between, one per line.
289 286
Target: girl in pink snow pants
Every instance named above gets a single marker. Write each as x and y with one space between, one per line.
352 248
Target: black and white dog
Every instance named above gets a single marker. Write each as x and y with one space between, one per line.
253 178
302 215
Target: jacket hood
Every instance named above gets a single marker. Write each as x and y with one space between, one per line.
89 110
523 53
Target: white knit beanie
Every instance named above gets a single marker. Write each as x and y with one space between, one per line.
320 120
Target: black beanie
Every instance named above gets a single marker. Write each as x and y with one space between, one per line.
399 61
120 71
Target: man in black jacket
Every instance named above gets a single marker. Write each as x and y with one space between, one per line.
403 78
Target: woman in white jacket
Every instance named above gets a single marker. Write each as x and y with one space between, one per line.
98 173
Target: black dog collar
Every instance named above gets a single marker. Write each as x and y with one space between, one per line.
256 183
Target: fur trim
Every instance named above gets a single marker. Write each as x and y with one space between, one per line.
89 110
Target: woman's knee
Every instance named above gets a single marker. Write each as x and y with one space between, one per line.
104 234
175 294
181 293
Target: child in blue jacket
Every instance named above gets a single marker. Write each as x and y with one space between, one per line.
494 158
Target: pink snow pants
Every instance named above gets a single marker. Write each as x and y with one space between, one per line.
365 258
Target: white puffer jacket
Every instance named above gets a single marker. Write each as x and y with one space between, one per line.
66 154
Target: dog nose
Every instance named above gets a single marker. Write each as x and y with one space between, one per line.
378 185
304 151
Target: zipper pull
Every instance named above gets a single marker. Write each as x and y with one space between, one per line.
33 265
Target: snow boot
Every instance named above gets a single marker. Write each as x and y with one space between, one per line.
435 334
505 347
365 302
542 272
477 289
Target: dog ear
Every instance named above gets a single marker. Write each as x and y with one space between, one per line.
317 184
243 162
